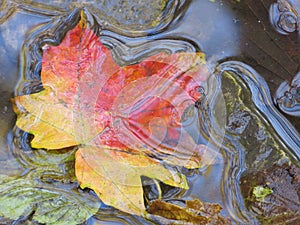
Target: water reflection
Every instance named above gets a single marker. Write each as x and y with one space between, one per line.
285 16
257 135
128 18
288 96
261 98
212 25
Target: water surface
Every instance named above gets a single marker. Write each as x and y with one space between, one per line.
238 117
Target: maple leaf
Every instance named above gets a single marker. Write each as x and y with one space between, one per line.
125 120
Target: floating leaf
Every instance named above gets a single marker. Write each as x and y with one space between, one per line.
24 196
126 185
125 120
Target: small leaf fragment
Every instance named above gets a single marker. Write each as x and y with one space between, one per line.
260 192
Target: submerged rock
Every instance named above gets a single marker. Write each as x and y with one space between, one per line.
282 206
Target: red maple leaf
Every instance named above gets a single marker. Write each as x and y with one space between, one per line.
126 120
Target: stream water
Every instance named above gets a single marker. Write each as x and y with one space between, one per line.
249 114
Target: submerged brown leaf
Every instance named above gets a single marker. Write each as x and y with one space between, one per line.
195 212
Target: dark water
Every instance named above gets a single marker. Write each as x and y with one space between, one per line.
249 114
